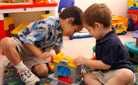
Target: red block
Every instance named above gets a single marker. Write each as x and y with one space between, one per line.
65 79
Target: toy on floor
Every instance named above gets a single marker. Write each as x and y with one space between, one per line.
64 68
61 57
80 35
120 24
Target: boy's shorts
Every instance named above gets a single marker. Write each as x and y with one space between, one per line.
103 77
28 59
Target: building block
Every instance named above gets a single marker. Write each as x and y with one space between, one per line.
65 79
120 24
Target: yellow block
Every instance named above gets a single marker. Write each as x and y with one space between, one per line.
119 19
121 29
130 3
59 57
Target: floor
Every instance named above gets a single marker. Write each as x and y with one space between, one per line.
83 47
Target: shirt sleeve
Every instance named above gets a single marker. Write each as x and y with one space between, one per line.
35 31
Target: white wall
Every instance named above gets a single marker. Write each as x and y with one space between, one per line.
118 7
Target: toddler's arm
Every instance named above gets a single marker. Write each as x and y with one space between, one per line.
95 64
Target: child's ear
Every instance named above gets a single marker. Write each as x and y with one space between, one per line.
70 20
98 25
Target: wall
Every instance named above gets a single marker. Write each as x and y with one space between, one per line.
118 7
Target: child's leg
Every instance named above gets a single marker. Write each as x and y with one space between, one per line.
122 77
91 79
8 46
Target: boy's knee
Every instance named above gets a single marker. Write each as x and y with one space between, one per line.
125 74
89 77
40 70
7 41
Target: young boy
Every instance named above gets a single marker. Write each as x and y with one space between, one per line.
31 48
111 64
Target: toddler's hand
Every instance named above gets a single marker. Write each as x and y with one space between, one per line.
80 60
47 56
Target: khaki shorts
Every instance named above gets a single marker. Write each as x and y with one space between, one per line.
28 59
103 77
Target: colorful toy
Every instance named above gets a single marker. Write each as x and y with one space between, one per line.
64 68
132 3
133 15
120 24
61 57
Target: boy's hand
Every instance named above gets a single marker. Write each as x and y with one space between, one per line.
80 60
47 56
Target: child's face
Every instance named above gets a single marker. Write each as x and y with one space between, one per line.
68 27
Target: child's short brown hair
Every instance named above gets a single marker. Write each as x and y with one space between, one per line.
72 12
97 13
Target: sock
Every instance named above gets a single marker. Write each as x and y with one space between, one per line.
21 66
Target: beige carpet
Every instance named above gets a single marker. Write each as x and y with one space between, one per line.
83 47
